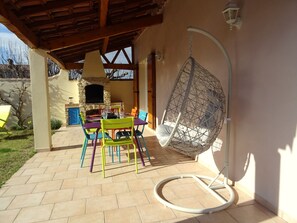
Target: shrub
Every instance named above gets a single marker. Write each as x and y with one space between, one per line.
56 124
16 127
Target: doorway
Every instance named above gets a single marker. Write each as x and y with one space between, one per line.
147 88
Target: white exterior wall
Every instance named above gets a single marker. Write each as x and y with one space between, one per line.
263 52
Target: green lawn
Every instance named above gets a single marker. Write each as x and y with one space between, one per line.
15 149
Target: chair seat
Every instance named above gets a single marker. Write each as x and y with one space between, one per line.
120 134
93 136
118 142
163 133
90 131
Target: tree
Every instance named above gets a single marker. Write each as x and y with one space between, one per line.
14 61
14 58
17 98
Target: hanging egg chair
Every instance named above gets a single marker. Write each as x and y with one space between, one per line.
195 112
192 121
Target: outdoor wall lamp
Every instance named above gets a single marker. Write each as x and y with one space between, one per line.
231 15
159 56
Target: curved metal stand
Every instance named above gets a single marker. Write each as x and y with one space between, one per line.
210 187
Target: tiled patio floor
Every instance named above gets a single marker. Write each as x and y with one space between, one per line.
51 187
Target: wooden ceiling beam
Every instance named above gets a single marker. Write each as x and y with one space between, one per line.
14 24
52 5
61 20
103 10
107 31
56 59
70 66
105 45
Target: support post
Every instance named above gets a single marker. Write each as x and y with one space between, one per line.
40 100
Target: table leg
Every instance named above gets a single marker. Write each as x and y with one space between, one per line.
138 146
94 151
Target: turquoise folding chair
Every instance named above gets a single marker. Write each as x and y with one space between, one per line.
138 132
89 136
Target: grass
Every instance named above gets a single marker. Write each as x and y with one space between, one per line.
15 149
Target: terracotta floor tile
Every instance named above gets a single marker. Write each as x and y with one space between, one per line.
8 216
18 173
95 179
68 209
88 218
102 203
56 169
150 196
40 178
74 183
3 189
19 180
61 220
168 170
132 199
155 212
57 196
253 214
5 202
187 190
65 175
122 215
218 217
31 165
62 157
183 220
26 200
50 163
48 186
124 177
34 214
87 192
140 184
114 188
19 189
33 171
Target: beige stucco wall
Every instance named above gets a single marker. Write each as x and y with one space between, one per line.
60 89
6 86
122 91
263 155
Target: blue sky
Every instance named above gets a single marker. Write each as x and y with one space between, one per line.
10 43
3 29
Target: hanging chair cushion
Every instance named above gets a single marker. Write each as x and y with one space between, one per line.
163 133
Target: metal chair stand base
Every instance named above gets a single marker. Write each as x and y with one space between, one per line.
210 188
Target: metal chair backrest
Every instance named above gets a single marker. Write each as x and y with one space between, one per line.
134 112
113 124
82 122
143 116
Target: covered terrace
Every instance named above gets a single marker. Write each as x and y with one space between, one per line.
263 105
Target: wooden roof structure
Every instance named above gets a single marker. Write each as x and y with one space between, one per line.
67 29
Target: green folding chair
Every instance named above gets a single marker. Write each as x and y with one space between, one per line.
116 124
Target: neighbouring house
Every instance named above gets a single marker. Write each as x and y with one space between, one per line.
263 53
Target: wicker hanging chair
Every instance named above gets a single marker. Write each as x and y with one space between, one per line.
193 118
195 111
